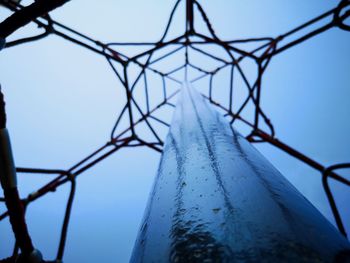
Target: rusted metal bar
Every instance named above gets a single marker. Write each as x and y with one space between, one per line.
330 197
27 14
217 199
298 155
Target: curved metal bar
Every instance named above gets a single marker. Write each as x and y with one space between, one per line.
326 174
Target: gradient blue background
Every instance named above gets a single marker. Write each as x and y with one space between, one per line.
62 101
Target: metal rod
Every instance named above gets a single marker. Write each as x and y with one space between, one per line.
189 16
217 199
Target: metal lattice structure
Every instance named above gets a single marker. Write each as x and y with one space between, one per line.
135 73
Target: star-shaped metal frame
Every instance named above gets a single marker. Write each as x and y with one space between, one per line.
153 76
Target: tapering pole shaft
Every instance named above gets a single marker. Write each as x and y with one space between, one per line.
217 199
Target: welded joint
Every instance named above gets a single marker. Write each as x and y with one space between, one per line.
325 176
338 18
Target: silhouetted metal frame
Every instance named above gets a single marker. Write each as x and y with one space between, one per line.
269 48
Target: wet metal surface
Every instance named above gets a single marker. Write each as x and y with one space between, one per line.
216 199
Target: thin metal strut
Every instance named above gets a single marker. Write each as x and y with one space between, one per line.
217 199
189 17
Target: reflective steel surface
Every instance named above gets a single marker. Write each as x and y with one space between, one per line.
217 199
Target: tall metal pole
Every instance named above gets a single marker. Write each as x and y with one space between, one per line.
217 199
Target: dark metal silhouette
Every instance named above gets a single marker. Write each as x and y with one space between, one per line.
142 111
217 199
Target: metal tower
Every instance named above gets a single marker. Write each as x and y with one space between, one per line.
216 199
138 125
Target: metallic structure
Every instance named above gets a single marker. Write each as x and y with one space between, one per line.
138 125
216 199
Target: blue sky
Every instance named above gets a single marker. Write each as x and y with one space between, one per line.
62 102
